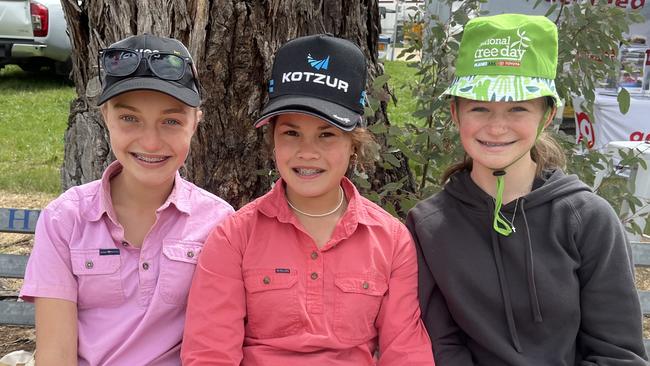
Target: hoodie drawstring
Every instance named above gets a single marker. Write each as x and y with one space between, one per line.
530 277
505 292
530 272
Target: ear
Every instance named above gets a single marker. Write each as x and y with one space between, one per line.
550 117
199 118
103 109
453 108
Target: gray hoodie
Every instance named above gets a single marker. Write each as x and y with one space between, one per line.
558 291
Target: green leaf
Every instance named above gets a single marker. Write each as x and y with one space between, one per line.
551 10
391 209
390 158
623 99
378 128
391 187
380 81
407 203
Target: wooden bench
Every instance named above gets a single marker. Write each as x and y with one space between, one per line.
641 257
12 311
24 221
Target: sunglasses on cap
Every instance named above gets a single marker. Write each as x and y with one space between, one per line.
121 62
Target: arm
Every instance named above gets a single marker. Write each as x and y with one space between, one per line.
402 337
56 332
214 324
611 327
50 283
447 338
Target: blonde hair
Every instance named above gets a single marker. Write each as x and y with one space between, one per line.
547 153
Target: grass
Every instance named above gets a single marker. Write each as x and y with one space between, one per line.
400 77
33 118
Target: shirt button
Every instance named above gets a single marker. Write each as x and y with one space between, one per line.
190 254
365 285
125 244
314 276
314 255
266 280
89 264
145 266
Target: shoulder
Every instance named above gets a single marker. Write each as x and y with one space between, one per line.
206 202
586 206
76 200
429 208
376 213
241 220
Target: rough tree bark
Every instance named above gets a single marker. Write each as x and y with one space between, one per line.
232 42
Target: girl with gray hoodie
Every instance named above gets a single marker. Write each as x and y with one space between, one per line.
519 263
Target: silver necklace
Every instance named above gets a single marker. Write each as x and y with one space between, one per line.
512 225
341 195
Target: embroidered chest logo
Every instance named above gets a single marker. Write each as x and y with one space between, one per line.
502 51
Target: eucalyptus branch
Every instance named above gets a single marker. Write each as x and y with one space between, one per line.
636 215
559 14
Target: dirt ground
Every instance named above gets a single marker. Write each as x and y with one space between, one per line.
16 338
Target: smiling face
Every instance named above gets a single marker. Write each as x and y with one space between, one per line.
150 134
496 134
312 157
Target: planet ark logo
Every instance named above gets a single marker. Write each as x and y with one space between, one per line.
502 51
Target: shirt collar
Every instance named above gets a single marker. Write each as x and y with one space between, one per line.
274 204
102 204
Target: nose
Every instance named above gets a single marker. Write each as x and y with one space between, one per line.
497 124
150 139
307 149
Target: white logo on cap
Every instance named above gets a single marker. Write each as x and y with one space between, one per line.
346 120
502 50
316 78
146 50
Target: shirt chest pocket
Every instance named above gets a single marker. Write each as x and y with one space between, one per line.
271 303
99 279
177 269
357 302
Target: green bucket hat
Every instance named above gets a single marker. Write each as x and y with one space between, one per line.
507 57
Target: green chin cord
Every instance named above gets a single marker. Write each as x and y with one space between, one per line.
500 225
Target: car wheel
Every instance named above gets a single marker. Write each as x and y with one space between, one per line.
31 66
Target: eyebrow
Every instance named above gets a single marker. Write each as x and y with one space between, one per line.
292 125
179 110
174 110
126 106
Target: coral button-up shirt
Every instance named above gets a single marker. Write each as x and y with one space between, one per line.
130 301
265 294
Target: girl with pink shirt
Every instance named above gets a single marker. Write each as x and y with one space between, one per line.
311 272
113 259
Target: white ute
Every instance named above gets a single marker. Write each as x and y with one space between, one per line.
33 35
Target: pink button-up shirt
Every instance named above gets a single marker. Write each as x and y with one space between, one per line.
264 294
131 301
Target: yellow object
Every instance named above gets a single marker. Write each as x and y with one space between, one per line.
568 111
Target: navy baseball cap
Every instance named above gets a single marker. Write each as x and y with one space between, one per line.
151 63
319 75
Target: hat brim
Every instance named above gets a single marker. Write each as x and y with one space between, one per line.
335 114
502 88
171 88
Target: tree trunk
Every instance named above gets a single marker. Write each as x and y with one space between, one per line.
232 43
